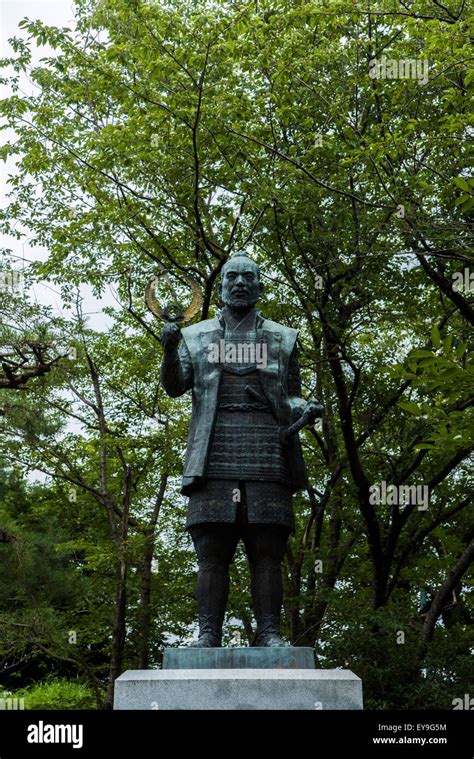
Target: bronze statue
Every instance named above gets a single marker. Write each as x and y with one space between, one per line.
243 460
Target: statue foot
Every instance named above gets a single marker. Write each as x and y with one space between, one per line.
270 640
207 640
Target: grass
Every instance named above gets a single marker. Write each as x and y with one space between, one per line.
56 693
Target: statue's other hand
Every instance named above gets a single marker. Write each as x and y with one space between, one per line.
312 411
170 337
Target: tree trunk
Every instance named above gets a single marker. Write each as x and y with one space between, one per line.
118 633
441 597
144 611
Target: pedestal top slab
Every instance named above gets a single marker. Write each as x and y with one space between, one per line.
238 689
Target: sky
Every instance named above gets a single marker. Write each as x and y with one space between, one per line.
56 13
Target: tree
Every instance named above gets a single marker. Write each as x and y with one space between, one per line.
25 351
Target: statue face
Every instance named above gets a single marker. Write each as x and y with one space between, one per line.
240 286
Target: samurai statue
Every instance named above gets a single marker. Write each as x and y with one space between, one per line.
240 471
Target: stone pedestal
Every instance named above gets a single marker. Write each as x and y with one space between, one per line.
238 678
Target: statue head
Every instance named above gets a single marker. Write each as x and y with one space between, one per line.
240 286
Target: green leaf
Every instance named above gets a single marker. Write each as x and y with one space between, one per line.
460 350
462 183
422 353
447 345
412 408
435 336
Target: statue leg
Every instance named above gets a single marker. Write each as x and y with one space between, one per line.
215 546
265 546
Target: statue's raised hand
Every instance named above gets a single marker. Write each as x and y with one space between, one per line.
170 337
